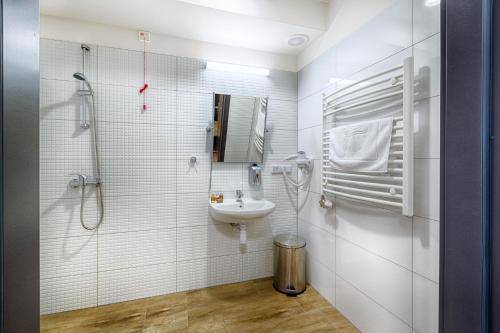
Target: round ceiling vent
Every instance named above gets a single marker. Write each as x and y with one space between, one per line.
298 39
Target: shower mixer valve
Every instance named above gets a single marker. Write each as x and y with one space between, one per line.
80 180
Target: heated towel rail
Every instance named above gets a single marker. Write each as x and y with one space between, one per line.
387 94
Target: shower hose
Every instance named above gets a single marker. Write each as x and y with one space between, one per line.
98 186
307 171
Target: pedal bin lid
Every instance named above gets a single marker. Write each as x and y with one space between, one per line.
289 241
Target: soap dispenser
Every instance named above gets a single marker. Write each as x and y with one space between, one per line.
254 176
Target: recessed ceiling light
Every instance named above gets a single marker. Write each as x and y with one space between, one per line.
298 39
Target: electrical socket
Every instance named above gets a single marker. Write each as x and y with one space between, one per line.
278 168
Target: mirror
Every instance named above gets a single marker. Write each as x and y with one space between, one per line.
239 125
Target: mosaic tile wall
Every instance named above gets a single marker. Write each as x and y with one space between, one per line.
157 236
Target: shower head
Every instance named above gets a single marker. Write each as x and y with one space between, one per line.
80 76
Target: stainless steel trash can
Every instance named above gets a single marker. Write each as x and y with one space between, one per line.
289 264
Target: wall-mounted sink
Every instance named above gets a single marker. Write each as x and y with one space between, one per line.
233 211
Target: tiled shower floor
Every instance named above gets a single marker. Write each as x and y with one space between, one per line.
251 306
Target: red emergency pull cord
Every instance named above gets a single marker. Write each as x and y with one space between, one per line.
143 89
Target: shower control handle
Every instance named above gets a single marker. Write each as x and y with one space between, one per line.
79 180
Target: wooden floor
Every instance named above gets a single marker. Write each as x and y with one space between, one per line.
251 306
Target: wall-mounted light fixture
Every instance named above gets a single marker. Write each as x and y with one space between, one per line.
219 66
432 3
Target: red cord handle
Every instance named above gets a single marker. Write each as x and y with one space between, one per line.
144 87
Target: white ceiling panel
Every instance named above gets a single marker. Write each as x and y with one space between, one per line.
263 25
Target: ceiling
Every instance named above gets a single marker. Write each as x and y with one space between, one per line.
263 25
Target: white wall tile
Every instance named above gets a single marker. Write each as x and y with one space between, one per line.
59 60
316 181
206 241
61 218
227 178
68 256
282 225
59 100
259 235
137 158
138 248
149 211
380 231
386 283
279 144
201 273
310 141
194 109
161 71
136 282
191 75
427 67
366 314
426 19
192 209
156 205
58 160
193 141
321 278
426 248
386 34
120 67
310 111
316 75
426 199
320 245
310 212
66 293
279 85
381 43
257 265
427 126
425 305
124 104
282 115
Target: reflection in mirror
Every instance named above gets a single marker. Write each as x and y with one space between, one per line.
239 128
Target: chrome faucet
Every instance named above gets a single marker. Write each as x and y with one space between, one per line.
239 197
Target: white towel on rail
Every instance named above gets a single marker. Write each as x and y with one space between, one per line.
361 147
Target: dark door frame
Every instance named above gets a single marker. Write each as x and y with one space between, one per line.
495 160
19 108
466 151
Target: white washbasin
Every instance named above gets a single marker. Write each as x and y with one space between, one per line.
231 211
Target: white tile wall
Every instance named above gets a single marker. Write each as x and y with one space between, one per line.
426 248
157 236
380 231
68 256
257 265
65 293
136 282
388 284
201 273
385 274
321 278
426 19
425 304
364 312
